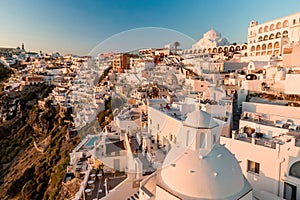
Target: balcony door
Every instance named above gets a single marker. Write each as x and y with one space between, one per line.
290 191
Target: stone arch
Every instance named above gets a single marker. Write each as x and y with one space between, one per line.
215 50
231 49
295 170
209 50
266 28
199 51
204 50
225 49
220 49
195 51
260 30
260 38
272 27
285 34
266 37
253 48
278 35
191 51
258 48
270 46
264 47
278 25
272 36
244 47
237 48
276 45
285 23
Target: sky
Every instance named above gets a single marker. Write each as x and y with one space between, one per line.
78 27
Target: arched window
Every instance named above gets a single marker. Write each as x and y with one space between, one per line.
209 50
260 30
272 27
270 46
220 50
258 48
266 29
295 170
238 48
278 25
264 47
278 35
285 23
276 45
244 47
215 50
271 37
285 34
260 38
199 51
253 48
226 49
202 141
231 49
266 37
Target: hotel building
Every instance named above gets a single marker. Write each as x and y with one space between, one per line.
268 39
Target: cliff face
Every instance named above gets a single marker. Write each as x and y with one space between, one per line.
29 171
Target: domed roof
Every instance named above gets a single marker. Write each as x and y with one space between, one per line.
200 119
212 34
216 176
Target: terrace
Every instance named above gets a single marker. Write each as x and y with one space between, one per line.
100 183
263 119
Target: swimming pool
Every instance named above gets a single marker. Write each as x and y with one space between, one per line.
91 141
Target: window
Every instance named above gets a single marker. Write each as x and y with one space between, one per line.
202 141
253 167
214 139
187 138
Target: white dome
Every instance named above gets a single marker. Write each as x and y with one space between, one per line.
200 119
216 176
210 39
212 34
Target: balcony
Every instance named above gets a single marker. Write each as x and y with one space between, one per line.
263 119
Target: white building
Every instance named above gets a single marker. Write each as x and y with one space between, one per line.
268 150
197 166
268 39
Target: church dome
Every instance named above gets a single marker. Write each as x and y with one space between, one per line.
210 39
200 119
216 176
212 34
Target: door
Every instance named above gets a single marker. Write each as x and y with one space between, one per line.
290 191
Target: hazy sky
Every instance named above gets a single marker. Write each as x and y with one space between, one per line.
74 26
